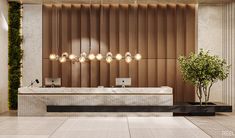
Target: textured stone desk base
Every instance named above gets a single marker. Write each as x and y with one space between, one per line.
36 105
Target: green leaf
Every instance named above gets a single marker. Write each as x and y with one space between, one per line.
15 52
203 68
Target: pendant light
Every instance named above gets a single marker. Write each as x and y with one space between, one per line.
91 56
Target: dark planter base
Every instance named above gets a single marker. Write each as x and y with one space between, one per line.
194 114
194 109
203 103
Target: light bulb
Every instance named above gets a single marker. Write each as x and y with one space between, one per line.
82 59
83 54
109 54
91 56
138 57
99 56
118 57
109 59
128 59
127 54
65 54
72 57
62 59
53 57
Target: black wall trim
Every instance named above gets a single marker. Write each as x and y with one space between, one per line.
177 109
70 108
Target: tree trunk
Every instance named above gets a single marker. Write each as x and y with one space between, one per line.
205 100
200 101
200 95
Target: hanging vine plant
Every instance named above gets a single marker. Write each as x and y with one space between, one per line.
15 53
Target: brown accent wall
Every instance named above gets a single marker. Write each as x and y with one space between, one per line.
160 32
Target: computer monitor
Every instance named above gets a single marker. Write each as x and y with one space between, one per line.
53 82
123 82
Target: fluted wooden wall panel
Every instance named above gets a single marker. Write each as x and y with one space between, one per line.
159 32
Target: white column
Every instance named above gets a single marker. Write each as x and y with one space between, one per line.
229 52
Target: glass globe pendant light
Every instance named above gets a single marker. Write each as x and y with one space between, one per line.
109 57
72 57
65 54
91 56
138 57
62 59
99 56
82 58
53 57
118 56
128 57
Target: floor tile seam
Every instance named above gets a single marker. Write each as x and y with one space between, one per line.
58 127
198 127
128 125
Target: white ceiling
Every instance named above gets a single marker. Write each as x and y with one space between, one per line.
123 1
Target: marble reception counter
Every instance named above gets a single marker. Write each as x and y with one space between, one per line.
34 101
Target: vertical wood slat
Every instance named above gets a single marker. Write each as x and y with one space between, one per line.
159 32
108 42
152 46
46 66
85 44
156 42
94 26
133 66
171 46
66 44
123 39
161 46
76 44
180 50
113 34
104 48
55 40
46 31
142 38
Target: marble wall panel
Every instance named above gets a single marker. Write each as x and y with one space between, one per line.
32 44
4 56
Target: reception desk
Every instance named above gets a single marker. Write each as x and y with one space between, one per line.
35 101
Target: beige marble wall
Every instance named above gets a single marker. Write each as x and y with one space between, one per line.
4 56
32 44
216 32
210 38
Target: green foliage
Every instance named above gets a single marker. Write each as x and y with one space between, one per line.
15 52
203 70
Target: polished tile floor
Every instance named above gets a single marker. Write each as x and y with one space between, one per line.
117 127
219 126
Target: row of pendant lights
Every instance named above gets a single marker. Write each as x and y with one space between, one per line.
84 56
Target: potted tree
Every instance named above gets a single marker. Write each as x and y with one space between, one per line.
203 70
